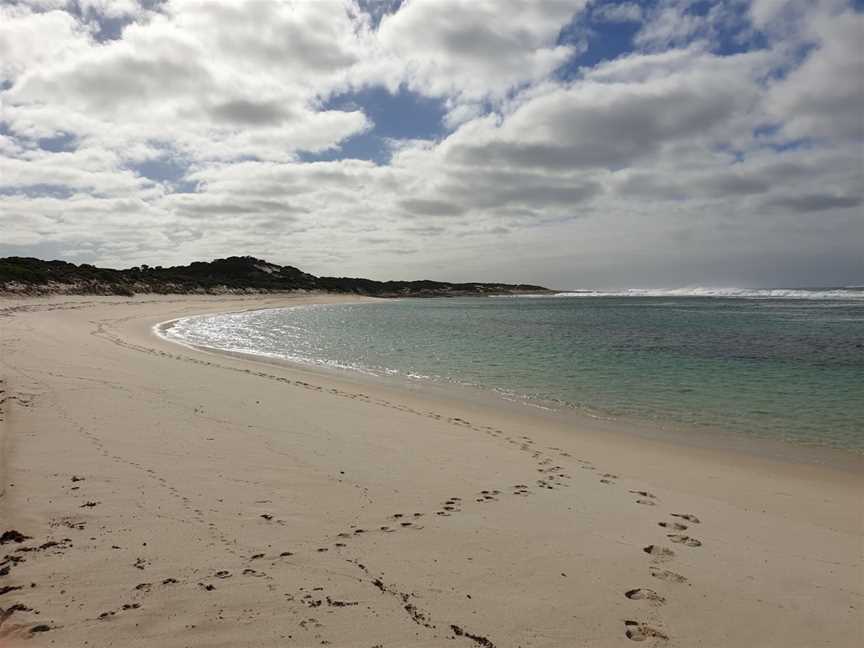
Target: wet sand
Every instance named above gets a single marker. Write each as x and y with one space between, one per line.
154 494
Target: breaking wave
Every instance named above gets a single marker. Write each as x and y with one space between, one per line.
845 293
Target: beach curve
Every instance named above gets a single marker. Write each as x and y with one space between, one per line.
212 500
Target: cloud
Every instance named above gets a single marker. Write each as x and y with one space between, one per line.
58 33
431 207
612 121
823 97
617 12
199 75
816 202
726 135
474 49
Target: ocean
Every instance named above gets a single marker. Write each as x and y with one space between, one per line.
776 364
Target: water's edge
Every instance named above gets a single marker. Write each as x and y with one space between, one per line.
781 450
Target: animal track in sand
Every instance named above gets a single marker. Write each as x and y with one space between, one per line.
685 540
640 594
686 516
666 575
638 631
675 526
521 489
644 494
659 553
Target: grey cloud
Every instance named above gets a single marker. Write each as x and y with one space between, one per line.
480 43
432 207
649 185
543 195
623 126
732 184
272 36
105 84
714 185
428 230
816 202
491 190
823 97
377 240
200 207
251 113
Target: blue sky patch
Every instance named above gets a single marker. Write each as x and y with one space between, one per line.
403 115
170 170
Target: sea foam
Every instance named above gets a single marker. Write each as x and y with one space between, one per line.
846 293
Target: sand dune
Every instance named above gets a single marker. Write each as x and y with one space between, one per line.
155 495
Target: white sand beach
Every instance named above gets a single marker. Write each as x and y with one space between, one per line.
174 497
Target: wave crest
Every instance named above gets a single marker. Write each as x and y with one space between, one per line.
720 293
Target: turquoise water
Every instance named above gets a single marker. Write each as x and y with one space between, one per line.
781 368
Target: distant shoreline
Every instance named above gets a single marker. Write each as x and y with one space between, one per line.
234 275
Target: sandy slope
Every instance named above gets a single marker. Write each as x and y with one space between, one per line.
204 500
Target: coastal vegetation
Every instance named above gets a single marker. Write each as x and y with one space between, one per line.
246 274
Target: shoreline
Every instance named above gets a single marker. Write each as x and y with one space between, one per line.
703 437
201 499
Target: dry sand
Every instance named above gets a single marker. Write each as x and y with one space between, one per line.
175 497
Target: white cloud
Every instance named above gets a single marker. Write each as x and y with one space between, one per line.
671 149
213 78
824 96
617 12
29 39
477 48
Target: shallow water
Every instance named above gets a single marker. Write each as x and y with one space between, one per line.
780 368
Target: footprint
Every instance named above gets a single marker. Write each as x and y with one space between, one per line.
644 494
686 516
685 540
638 631
675 526
645 594
659 553
666 575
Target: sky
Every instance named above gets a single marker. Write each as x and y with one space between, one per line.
567 143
